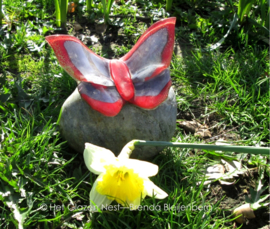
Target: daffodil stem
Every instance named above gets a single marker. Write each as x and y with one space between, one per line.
239 149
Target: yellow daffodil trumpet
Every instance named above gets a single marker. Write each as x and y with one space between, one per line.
120 179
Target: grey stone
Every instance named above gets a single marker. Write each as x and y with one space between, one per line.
79 123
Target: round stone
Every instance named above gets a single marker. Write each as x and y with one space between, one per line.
79 123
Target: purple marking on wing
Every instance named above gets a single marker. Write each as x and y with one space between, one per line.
95 69
153 86
147 58
103 94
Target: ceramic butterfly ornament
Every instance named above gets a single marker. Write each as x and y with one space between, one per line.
141 77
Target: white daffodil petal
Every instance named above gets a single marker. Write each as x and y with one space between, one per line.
153 190
143 168
127 150
96 199
96 157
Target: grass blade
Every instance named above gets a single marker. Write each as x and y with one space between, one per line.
89 5
244 8
58 13
169 5
1 15
63 9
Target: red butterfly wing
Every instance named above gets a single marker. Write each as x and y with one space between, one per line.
96 87
79 61
106 100
148 63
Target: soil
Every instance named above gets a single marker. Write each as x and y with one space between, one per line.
235 197
109 37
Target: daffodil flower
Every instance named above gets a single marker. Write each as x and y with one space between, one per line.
120 178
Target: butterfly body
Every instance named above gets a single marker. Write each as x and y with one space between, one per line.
141 77
122 79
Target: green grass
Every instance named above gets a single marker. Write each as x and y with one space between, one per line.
43 180
233 86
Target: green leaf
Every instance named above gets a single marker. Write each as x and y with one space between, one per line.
233 24
231 148
255 198
244 8
58 13
4 97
